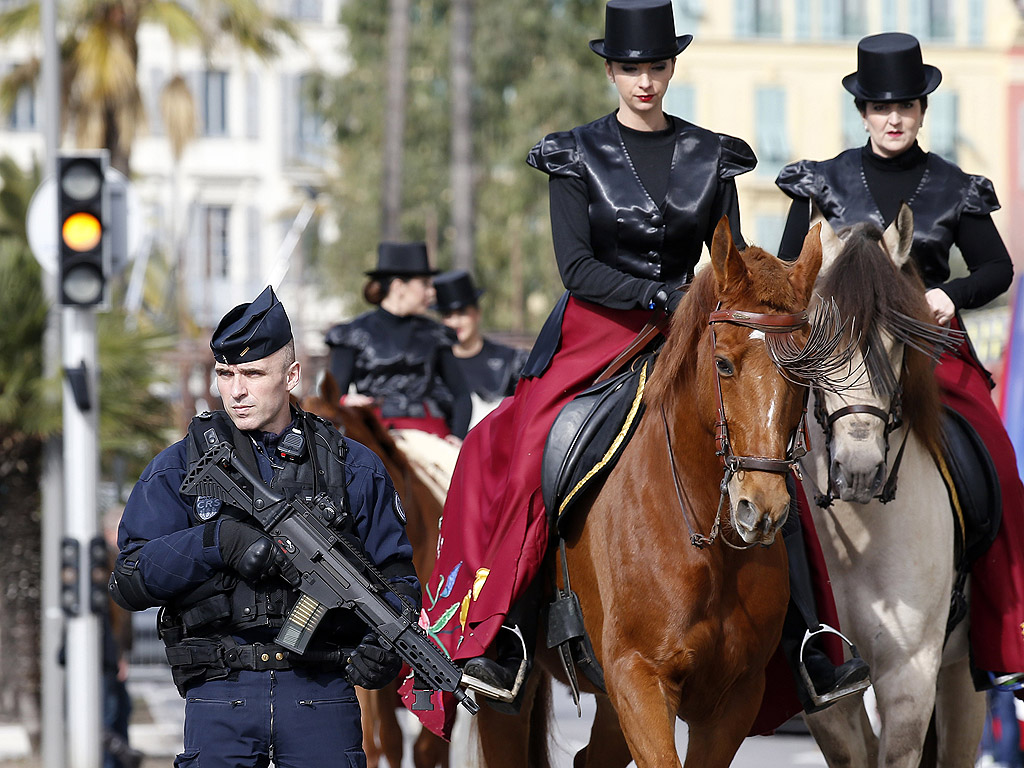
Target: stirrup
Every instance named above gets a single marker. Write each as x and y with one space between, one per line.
822 700
1011 683
501 694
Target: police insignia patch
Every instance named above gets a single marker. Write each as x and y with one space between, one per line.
399 510
207 507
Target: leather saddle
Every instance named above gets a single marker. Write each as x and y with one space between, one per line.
969 470
588 436
974 494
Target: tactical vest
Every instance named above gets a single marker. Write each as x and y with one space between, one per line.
227 605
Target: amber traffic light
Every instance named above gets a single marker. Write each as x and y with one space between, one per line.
82 214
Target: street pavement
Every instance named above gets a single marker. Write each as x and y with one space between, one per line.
157 728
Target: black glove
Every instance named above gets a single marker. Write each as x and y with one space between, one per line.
674 297
370 666
659 300
252 554
666 300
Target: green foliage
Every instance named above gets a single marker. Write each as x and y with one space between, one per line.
134 421
533 74
29 409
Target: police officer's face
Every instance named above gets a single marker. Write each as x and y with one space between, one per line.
255 394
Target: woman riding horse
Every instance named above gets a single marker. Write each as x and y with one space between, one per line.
402 365
890 90
634 195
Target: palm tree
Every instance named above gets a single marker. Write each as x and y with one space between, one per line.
100 95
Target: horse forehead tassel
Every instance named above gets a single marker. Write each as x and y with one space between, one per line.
828 359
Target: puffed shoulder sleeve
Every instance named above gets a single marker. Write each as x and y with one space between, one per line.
440 335
556 155
343 335
980 196
798 179
737 157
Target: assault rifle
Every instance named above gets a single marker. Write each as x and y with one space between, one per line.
335 573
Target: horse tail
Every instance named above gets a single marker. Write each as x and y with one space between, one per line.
540 719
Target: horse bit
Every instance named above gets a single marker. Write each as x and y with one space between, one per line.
769 324
892 419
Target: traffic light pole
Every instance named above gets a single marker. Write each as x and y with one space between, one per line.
52 682
83 652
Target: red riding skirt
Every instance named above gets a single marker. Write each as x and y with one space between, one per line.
997 577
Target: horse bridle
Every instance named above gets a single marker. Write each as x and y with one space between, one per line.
732 463
892 419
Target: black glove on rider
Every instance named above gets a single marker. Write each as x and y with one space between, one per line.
252 554
370 666
666 300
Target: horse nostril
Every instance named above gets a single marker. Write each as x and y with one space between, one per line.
747 515
876 484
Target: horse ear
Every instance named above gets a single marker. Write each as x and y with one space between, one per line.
805 269
831 245
329 389
899 236
730 269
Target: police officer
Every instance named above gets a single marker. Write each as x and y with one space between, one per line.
490 369
225 589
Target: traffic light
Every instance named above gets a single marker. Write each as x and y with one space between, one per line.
83 213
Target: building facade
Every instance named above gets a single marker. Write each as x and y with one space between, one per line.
229 208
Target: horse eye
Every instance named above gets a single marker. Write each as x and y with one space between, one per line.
724 366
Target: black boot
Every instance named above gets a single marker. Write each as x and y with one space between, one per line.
502 677
818 681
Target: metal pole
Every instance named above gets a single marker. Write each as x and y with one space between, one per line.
52 629
81 470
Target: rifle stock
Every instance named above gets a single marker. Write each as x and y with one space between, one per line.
334 572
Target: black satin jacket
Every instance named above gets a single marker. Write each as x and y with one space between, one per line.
396 362
839 189
629 231
493 373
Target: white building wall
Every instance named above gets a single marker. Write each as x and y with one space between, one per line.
252 170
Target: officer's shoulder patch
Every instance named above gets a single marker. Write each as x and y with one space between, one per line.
399 509
207 507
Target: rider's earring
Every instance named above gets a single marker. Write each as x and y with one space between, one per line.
865 127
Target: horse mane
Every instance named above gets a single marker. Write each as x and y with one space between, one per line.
770 288
866 285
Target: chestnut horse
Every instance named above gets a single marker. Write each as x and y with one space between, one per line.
892 566
382 734
676 560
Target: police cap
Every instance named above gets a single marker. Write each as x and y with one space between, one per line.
252 331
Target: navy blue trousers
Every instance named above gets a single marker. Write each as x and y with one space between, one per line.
296 719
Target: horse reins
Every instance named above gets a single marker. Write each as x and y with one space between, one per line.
893 420
769 324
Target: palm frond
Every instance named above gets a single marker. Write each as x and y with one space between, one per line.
179 23
23 19
178 109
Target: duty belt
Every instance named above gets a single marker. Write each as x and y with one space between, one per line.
255 656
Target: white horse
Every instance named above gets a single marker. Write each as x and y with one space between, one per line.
891 565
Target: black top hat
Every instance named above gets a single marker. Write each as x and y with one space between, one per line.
252 331
402 260
889 68
639 30
455 290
